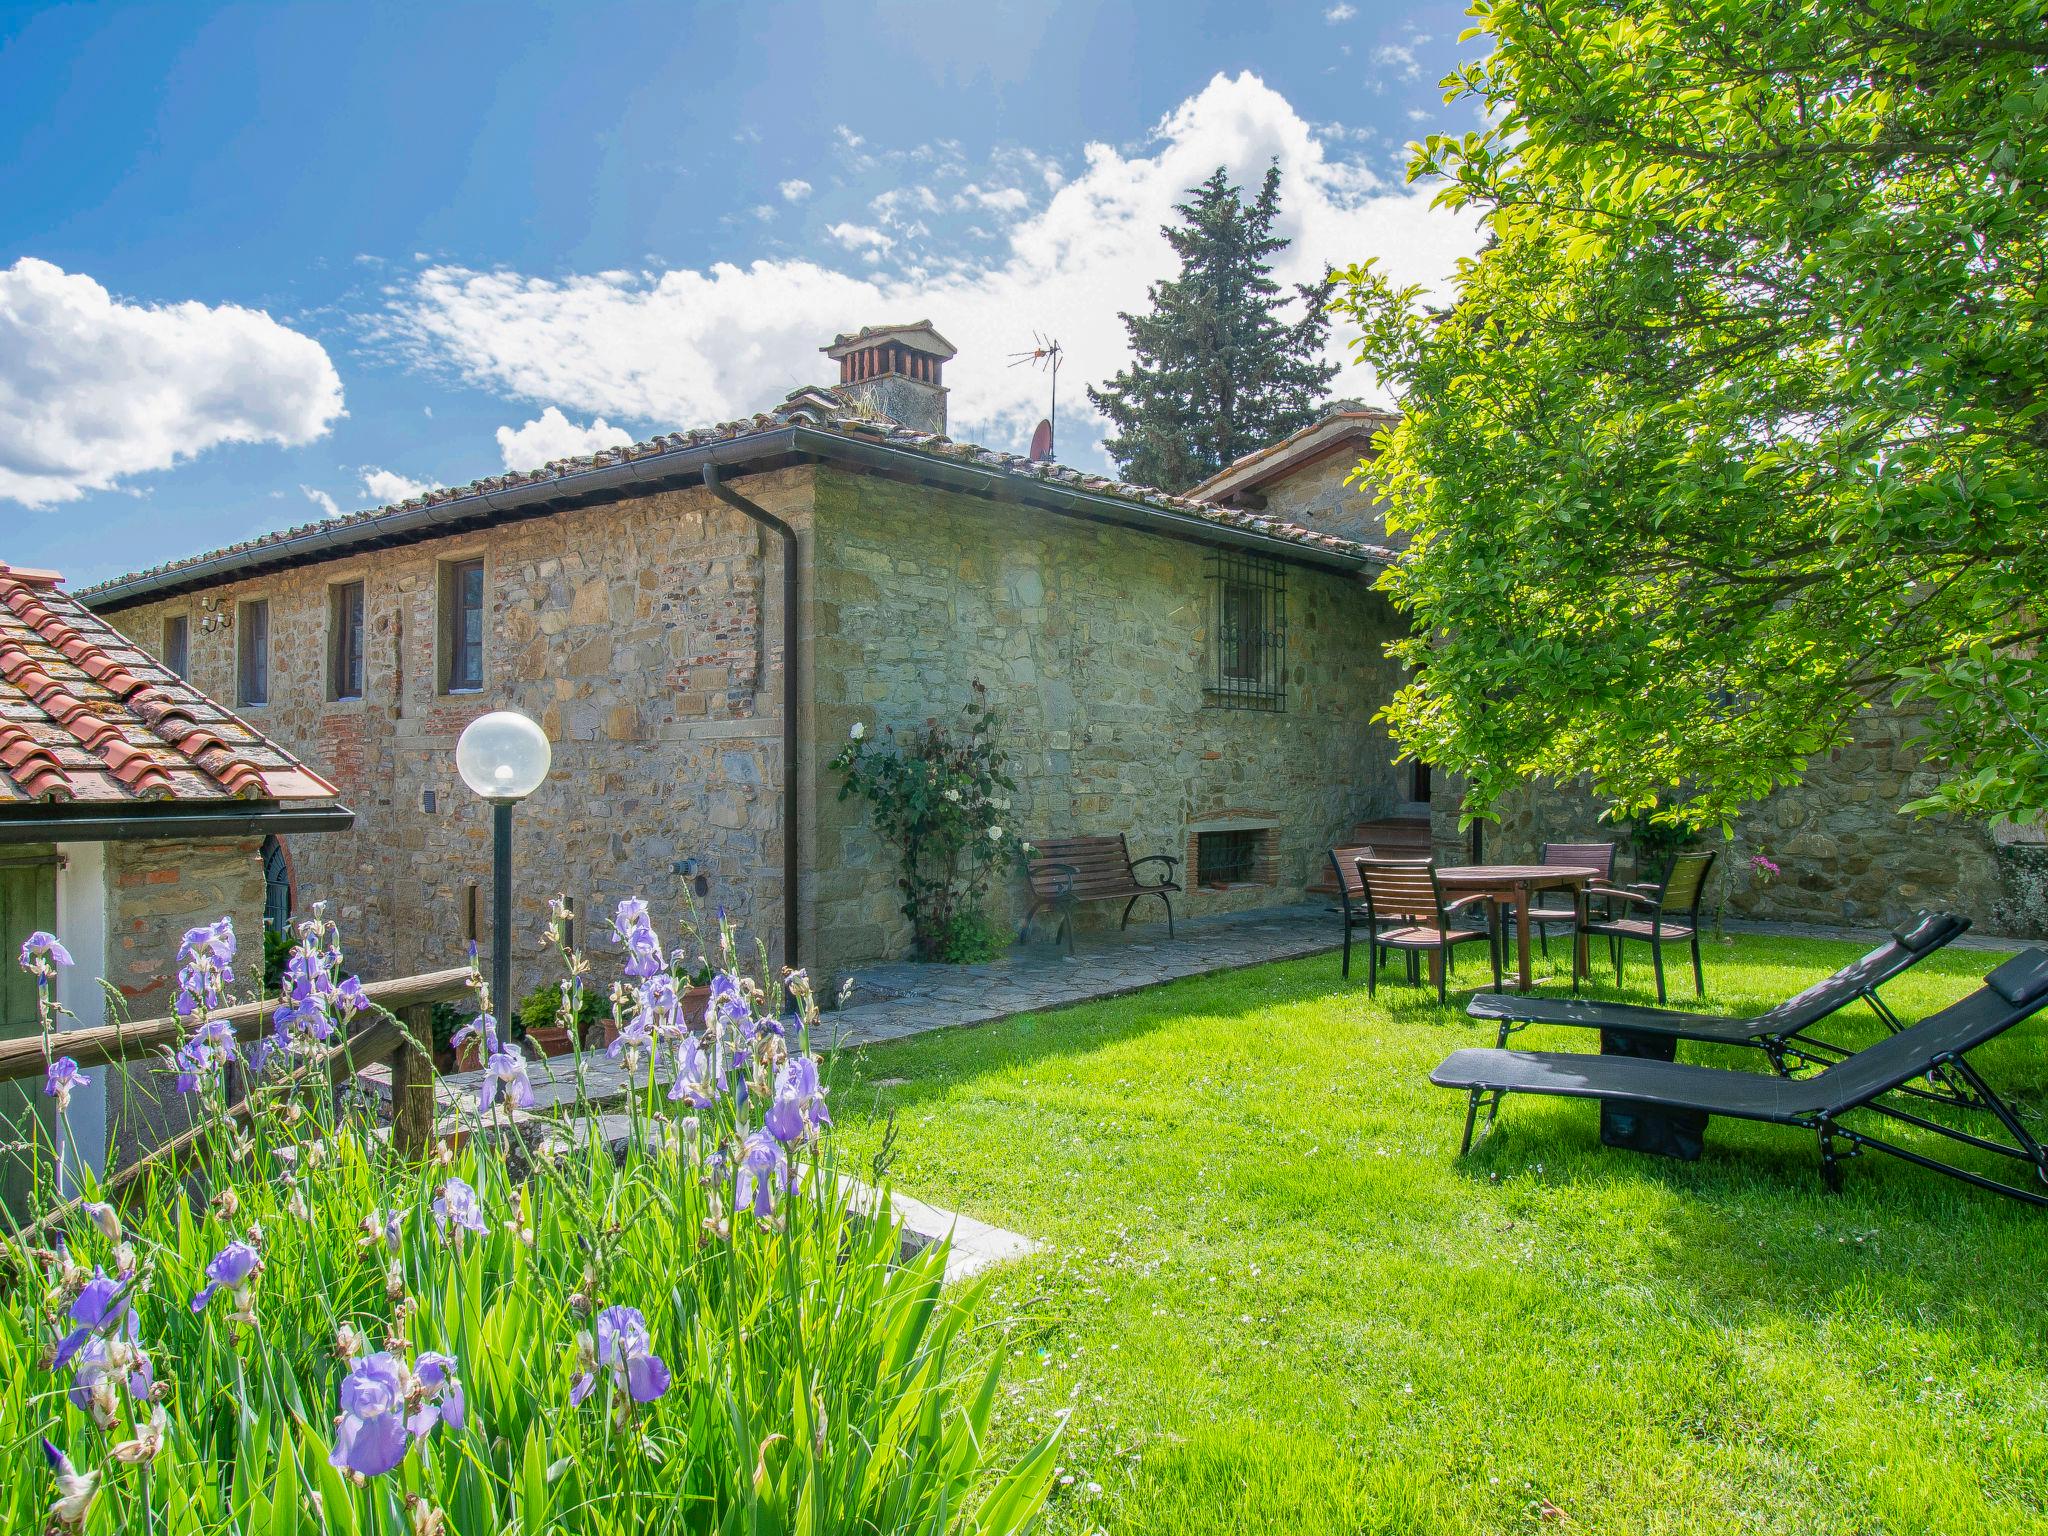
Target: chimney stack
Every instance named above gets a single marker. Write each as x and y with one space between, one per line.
895 371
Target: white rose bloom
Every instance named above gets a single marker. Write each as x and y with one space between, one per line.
995 834
953 795
859 730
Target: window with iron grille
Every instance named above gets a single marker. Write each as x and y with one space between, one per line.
1228 857
1248 597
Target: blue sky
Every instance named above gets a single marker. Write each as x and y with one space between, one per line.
258 262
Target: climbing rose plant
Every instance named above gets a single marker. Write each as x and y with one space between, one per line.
940 796
536 1329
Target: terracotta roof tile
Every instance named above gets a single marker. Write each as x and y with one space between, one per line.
814 407
86 715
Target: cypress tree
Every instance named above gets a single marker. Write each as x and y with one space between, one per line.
1217 369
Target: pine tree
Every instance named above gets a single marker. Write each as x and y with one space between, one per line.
1217 370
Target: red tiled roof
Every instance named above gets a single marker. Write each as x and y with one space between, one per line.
815 408
86 715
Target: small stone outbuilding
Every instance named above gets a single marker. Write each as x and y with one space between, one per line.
132 808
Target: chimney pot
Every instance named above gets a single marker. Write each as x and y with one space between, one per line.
895 372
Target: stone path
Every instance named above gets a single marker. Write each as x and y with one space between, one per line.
891 1001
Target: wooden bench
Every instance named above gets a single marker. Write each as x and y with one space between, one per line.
1066 871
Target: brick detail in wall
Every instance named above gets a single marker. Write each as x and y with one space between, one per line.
1266 855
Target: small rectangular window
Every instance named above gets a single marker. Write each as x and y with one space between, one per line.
252 654
345 641
462 607
178 645
1249 609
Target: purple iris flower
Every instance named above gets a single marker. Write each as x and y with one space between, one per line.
370 1437
457 1206
229 1269
763 1174
631 928
74 1488
62 1080
799 1106
313 1000
660 1005
205 971
444 1402
483 1028
626 1348
94 1364
41 952
211 1047
694 1082
101 1307
634 1035
105 1217
506 1070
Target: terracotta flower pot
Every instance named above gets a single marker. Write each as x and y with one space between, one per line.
549 1040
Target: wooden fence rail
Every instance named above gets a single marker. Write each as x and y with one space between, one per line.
375 1038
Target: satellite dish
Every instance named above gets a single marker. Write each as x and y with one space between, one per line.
1041 443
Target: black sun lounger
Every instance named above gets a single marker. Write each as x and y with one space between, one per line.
1683 1097
1629 1029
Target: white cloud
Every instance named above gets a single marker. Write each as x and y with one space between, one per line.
795 190
1340 13
1399 58
326 503
860 237
765 212
995 199
94 389
551 435
384 486
680 347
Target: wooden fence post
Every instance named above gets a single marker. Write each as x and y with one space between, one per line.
412 1084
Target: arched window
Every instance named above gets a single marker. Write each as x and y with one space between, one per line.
277 886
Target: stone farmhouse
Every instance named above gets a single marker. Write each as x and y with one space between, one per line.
698 621
1847 854
132 807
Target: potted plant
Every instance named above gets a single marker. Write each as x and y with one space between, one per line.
540 1015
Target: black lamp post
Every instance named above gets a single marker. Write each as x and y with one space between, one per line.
503 756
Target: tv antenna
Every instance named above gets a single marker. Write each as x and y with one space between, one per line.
1044 355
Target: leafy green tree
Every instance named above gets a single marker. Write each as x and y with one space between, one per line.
1737 423
1217 370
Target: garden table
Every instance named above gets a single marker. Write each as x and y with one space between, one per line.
1503 884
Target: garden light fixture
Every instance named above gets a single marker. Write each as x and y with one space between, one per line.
503 757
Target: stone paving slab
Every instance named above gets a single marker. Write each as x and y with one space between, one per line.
896 1000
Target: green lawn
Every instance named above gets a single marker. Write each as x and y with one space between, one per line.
1274 1300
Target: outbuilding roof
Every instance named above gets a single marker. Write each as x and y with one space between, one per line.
810 425
1347 424
88 718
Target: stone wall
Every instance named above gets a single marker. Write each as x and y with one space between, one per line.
1093 643
1847 855
155 892
631 631
1316 496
